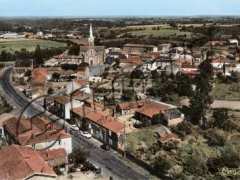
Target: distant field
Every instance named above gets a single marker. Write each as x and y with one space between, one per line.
161 30
30 45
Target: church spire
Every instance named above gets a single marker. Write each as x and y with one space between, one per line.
91 37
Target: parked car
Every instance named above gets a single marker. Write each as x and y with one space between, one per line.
85 134
105 147
75 127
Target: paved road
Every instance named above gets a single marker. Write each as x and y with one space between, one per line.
234 105
109 161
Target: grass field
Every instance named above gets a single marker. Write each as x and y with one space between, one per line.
223 91
162 32
135 139
30 45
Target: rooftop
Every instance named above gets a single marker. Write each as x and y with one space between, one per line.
130 105
100 118
33 131
62 99
19 162
151 108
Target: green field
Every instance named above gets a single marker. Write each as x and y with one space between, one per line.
223 91
159 31
162 32
29 45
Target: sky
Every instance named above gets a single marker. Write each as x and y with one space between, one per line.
118 7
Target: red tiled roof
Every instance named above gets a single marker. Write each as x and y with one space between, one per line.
21 162
40 131
81 82
100 118
39 75
62 99
130 105
152 108
53 154
132 59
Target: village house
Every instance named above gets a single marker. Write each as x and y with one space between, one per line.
20 70
102 127
164 48
131 60
62 106
155 112
139 49
233 42
37 133
3 118
19 162
55 157
189 70
128 108
75 85
39 80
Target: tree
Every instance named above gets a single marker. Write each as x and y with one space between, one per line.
78 156
50 91
74 50
220 117
56 76
161 166
184 85
38 56
201 99
137 74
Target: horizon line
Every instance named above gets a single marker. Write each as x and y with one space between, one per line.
121 16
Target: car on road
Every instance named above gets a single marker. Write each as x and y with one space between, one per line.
75 127
85 134
105 147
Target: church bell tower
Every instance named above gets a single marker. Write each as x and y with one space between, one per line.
91 37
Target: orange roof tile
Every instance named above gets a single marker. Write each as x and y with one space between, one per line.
53 154
130 105
39 75
152 108
62 99
100 118
21 162
39 131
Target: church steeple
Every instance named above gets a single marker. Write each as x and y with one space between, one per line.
91 37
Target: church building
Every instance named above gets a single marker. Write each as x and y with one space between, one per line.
92 55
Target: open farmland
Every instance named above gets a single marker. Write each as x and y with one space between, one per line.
161 32
29 45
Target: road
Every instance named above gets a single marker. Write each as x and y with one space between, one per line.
109 161
233 105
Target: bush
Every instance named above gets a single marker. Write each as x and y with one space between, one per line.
215 137
183 129
78 156
220 117
161 166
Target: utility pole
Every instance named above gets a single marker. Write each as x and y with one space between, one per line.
124 140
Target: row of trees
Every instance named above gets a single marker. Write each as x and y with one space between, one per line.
39 55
